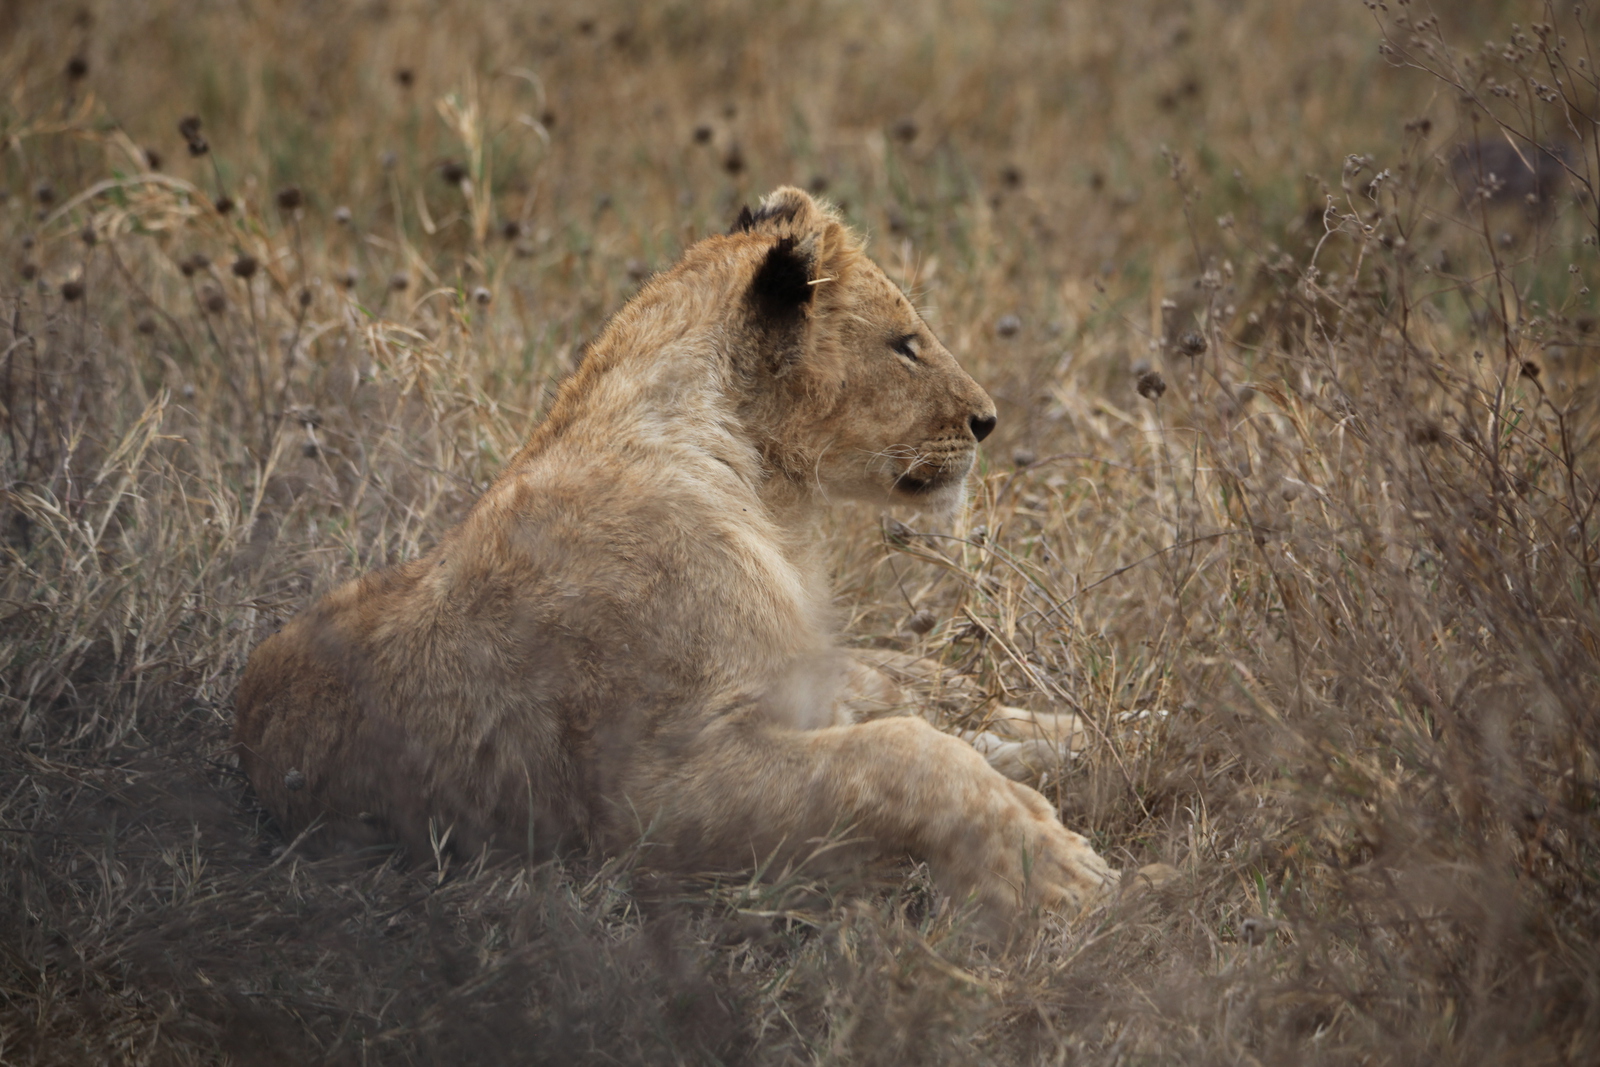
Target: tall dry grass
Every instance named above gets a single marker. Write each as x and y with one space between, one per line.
1287 310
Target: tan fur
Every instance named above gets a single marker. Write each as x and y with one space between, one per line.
630 634
1020 744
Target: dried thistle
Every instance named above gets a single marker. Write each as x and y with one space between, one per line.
1150 385
1192 343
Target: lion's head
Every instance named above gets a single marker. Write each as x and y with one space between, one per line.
840 388
864 401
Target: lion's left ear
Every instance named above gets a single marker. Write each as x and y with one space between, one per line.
784 212
781 290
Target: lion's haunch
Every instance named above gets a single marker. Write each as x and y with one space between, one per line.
630 632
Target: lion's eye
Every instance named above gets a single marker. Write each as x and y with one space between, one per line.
906 346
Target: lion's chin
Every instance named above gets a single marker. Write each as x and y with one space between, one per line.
941 491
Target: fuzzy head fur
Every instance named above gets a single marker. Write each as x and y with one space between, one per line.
830 373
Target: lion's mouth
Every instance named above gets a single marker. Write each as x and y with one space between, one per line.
932 473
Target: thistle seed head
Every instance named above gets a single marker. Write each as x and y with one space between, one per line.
1192 343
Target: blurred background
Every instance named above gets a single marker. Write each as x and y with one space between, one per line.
1285 305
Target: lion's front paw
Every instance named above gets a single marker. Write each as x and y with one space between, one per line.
1037 862
1067 876
1021 761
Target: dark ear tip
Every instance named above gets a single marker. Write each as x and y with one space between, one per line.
744 222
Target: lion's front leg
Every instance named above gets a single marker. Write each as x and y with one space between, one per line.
1020 744
749 791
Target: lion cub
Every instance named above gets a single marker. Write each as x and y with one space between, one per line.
629 634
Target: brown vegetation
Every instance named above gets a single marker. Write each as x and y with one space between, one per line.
1292 499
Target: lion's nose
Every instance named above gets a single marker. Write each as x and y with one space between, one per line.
982 425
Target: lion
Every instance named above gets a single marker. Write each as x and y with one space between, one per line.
629 636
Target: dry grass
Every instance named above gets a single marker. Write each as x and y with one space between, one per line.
1329 599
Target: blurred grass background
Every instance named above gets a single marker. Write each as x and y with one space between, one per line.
1286 309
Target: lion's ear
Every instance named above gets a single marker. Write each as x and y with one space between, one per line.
784 212
781 288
